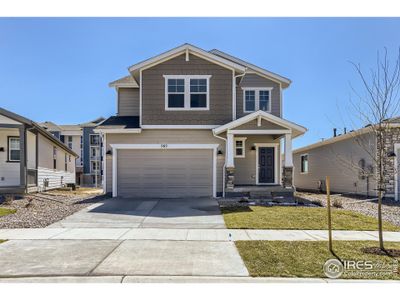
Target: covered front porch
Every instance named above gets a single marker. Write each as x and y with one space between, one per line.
18 157
258 156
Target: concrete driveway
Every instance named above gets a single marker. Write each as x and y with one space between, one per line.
147 213
147 256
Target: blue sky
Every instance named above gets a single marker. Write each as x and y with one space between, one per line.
59 69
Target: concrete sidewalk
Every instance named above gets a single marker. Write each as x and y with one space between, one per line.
221 235
180 279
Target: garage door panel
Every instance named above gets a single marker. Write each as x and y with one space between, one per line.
164 173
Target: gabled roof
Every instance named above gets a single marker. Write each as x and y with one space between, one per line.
50 126
39 128
297 130
283 80
183 49
93 123
127 81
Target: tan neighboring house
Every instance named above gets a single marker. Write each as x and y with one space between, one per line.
346 159
196 123
31 159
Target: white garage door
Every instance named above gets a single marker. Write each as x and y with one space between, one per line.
164 173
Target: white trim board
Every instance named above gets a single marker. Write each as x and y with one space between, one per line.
179 126
262 131
276 166
112 130
184 49
264 115
164 147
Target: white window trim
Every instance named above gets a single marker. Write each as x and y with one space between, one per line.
257 98
90 140
187 92
304 154
243 139
10 149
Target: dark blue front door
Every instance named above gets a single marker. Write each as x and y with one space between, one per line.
266 165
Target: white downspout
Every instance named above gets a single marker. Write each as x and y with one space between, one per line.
224 166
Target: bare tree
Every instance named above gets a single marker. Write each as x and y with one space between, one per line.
376 106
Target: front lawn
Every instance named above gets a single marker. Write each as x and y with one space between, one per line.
291 217
306 259
6 211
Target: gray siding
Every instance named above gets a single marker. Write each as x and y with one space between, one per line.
166 137
153 93
128 102
253 80
339 161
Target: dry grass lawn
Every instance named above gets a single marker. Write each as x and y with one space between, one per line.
292 217
306 259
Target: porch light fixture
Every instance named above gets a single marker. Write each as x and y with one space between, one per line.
391 154
1 149
253 148
220 152
109 152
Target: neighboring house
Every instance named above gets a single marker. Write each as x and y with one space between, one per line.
83 140
31 159
346 159
192 123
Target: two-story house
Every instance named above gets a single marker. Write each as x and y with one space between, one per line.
197 123
83 140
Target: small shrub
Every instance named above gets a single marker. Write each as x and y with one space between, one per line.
337 203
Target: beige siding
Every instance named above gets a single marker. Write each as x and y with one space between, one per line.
339 161
166 137
58 176
245 167
256 81
9 171
165 173
128 102
31 150
153 97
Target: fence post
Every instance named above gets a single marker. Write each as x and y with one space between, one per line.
328 204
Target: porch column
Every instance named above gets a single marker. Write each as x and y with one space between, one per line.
287 176
230 164
22 156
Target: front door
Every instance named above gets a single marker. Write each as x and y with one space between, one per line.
266 165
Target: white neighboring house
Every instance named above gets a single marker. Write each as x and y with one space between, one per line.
31 159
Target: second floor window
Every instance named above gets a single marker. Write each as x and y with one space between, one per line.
70 142
94 139
187 92
257 99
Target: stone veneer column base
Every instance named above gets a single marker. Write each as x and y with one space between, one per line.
230 178
287 177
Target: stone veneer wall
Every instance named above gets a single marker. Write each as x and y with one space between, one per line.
392 137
